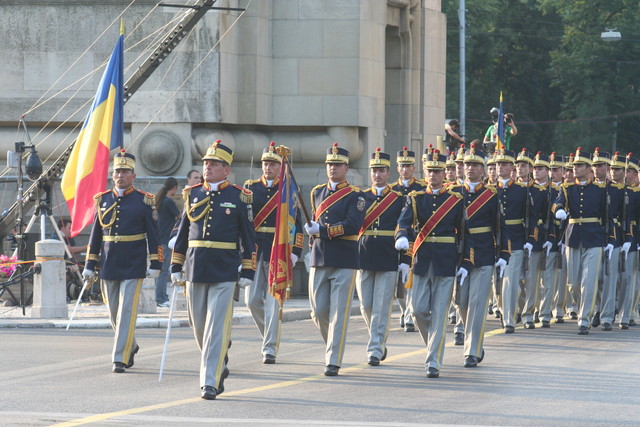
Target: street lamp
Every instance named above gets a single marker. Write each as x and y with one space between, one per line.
610 35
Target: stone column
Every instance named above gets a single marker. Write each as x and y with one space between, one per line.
49 287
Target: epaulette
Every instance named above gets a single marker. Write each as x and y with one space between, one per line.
523 185
97 198
246 195
317 187
399 193
567 184
251 181
421 182
149 198
415 193
619 186
454 193
540 186
355 188
634 189
600 184
491 188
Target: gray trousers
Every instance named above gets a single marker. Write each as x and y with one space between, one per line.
330 295
548 280
472 306
210 307
606 299
511 287
264 309
375 292
430 305
561 297
583 265
573 287
627 286
530 288
121 297
405 306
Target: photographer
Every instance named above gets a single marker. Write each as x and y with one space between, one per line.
510 130
452 139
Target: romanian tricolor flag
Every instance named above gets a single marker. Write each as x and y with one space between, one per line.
500 131
103 130
280 268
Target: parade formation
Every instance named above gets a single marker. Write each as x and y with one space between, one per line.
527 237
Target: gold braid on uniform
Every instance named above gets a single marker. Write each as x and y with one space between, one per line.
150 199
190 208
414 207
97 199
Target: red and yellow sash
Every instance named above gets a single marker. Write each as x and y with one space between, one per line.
266 210
479 202
377 210
333 198
435 219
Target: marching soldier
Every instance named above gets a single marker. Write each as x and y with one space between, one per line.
263 306
556 167
583 202
529 299
573 289
607 283
487 231
625 170
338 212
435 219
449 169
545 266
215 229
123 229
378 268
406 160
516 207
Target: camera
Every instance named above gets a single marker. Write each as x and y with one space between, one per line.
508 118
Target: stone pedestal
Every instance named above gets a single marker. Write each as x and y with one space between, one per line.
147 301
49 288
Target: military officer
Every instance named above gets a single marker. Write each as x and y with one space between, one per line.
545 265
628 295
378 268
529 297
215 241
486 230
123 230
556 175
263 306
607 282
406 160
520 224
583 202
434 220
338 211
450 169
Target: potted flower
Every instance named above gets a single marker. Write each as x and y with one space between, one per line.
7 266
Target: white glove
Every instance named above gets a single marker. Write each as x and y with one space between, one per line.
561 214
462 274
152 273
294 259
404 271
625 248
88 274
176 278
172 242
527 249
547 246
501 264
243 282
609 250
314 228
402 244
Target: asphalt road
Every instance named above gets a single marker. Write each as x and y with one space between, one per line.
539 377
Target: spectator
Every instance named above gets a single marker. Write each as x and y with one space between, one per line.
510 130
65 229
452 139
194 177
167 215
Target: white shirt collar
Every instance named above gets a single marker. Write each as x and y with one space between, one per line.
379 190
214 185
